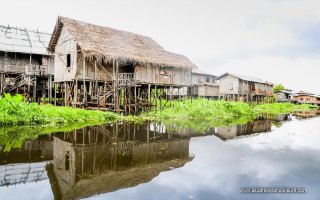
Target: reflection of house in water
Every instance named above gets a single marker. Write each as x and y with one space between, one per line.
104 159
306 114
257 126
26 164
282 118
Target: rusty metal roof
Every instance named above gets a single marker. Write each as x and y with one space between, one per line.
22 40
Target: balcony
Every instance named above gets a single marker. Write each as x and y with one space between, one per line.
127 78
37 70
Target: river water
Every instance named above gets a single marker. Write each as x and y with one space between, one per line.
161 161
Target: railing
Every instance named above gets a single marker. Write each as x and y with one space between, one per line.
127 78
37 70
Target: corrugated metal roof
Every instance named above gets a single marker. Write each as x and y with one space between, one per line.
13 39
204 74
285 91
243 77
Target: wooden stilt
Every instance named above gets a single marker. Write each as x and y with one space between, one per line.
84 82
55 94
65 93
35 90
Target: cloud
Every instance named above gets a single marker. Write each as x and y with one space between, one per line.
301 73
214 34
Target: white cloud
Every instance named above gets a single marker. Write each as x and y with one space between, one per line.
214 34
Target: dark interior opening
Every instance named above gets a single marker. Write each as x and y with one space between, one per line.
68 60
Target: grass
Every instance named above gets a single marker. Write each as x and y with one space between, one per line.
202 114
199 114
203 109
283 108
14 111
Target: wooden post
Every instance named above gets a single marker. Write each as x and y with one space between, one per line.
75 93
149 93
55 94
105 93
155 97
161 99
65 93
96 91
35 90
129 100
170 96
117 88
1 84
84 82
135 99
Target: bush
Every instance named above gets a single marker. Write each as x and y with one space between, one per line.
14 111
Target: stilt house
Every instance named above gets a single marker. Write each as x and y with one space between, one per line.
204 85
239 87
24 62
102 67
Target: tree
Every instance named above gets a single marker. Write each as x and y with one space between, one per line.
278 87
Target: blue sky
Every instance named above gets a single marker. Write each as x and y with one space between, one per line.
276 40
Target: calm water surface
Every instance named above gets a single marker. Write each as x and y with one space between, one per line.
154 161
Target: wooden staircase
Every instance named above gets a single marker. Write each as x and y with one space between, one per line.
17 82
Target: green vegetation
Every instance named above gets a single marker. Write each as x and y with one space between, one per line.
203 109
14 136
199 114
14 111
20 121
283 108
202 114
278 87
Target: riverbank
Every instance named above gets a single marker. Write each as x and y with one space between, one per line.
14 111
20 120
203 109
283 108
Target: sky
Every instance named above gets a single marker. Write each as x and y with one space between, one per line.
275 40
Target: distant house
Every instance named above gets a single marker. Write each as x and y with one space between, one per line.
25 62
239 87
283 95
303 97
203 85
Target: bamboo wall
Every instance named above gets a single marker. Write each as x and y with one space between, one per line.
16 63
162 75
65 45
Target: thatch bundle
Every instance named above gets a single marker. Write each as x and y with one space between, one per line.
109 44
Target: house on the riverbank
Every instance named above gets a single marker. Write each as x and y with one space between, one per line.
243 88
25 65
283 95
304 97
203 85
102 67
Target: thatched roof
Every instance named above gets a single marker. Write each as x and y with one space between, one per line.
111 44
